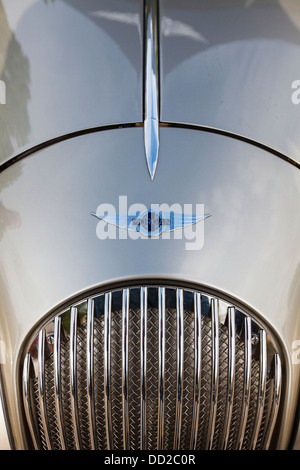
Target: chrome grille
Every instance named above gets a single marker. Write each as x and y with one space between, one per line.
152 368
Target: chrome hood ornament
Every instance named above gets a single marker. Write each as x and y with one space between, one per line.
151 222
151 86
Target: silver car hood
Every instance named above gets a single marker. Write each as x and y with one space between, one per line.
73 139
239 52
211 57
68 66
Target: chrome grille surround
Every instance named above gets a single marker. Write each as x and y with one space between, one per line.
152 367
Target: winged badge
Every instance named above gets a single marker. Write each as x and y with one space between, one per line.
151 222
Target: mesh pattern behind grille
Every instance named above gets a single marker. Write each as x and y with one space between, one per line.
44 418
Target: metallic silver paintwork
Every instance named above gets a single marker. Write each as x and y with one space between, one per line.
253 196
230 65
68 65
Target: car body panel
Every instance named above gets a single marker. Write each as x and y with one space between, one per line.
250 250
231 65
55 85
72 139
4 439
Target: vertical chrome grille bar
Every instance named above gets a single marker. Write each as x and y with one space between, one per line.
197 377
125 363
143 391
107 373
90 373
275 400
73 377
161 365
178 415
247 382
42 390
27 373
57 381
262 387
231 375
215 371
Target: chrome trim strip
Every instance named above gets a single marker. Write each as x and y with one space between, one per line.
180 350
36 148
151 85
215 371
90 373
42 145
73 376
143 391
232 135
57 381
27 374
231 375
275 401
161 366
262 387
42 391
107 376
197 376
247 381
125 365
